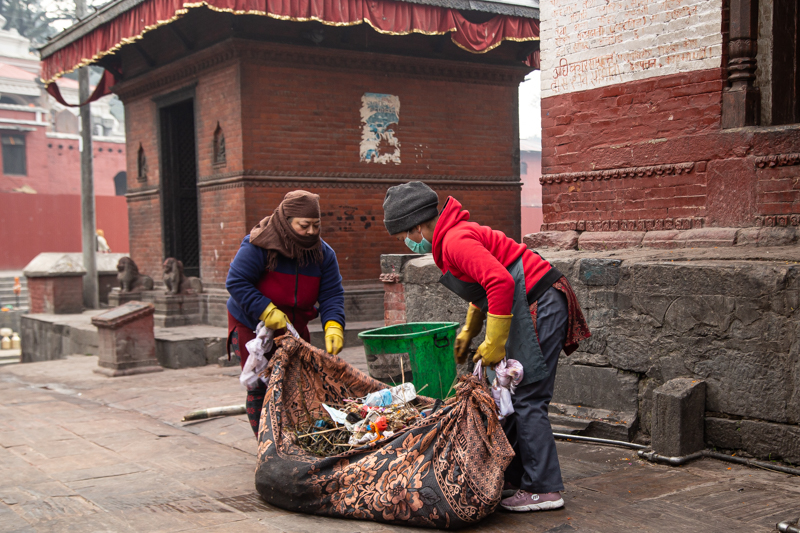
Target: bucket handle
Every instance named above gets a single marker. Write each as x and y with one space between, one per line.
440 340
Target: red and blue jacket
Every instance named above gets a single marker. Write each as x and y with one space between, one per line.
293 289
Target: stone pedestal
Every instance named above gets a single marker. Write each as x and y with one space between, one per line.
127 341
55 284
177 309
679 417
116 297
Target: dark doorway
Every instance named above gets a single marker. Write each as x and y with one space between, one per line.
786 62
179 186
121 183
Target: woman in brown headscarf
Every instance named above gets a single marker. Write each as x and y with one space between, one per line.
282 269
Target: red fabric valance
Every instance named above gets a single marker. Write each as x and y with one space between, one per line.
385 16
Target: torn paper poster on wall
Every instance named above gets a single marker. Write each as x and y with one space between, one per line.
378 143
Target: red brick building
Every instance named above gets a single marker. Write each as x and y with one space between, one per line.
670 114
226 113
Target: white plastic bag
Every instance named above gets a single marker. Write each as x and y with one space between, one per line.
508 374
256 361
502 397
385 397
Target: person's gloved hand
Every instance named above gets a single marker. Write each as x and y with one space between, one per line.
471 328
493 349
334 337
273 318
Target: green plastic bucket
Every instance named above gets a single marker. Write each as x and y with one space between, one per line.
426 352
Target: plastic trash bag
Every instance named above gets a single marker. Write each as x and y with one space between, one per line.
256 362
508 374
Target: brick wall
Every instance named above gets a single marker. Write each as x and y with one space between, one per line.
633 149
654 109
222 227
294 121
394 304
59 295
147 250
587 44
287 129
217 103
144 204
352 221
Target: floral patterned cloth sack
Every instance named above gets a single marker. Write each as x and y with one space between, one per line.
445 471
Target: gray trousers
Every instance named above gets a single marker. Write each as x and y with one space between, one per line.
535 466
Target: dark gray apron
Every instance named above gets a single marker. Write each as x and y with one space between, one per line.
522 343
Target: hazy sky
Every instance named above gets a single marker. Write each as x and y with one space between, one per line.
530 116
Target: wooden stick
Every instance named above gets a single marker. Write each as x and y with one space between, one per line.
451 387
231 410
320 432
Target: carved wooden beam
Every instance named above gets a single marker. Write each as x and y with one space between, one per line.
741 100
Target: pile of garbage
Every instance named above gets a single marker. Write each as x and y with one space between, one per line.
357 421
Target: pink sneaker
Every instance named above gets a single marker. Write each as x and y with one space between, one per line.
525 501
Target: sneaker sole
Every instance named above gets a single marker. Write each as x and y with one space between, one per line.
543 506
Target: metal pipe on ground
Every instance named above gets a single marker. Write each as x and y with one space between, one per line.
646 453
595 440
788 526
675 461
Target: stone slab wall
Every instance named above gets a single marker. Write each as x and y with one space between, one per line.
731 323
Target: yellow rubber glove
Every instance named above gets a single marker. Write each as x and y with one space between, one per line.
273 318
493 349
471 328
334 337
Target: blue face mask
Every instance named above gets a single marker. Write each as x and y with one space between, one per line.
423 247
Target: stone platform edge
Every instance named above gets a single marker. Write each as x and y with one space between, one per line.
598 241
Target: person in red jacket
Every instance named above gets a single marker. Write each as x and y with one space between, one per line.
531 314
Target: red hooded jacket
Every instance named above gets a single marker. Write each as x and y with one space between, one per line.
475 253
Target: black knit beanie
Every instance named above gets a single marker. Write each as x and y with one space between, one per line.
407 205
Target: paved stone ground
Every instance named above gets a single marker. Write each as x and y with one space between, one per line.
84 453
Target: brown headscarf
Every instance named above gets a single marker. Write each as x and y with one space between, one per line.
275 233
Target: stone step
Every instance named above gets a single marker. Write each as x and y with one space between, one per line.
592 422
363 303
190 346
7 295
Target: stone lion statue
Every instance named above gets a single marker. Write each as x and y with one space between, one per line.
129 278
176 281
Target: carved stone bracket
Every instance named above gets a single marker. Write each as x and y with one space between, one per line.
777 221
618 173
777 160
657 224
